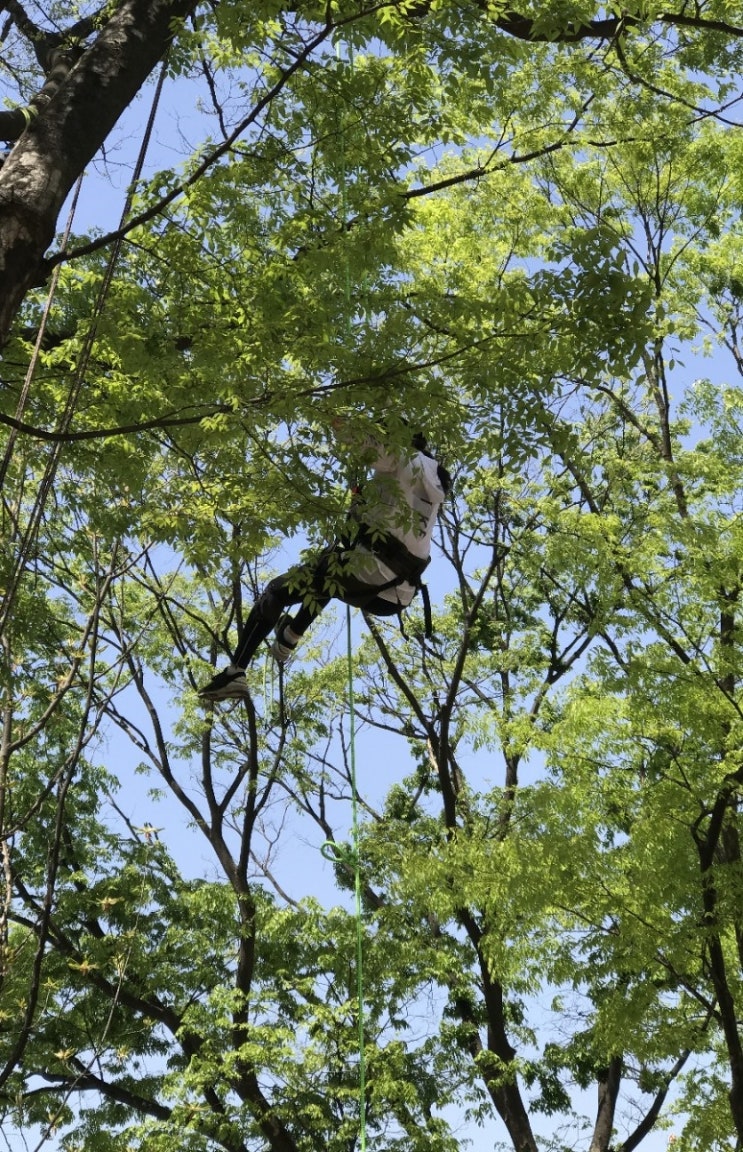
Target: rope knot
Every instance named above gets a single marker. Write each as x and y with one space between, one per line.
340 854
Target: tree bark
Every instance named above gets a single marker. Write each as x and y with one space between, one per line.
608 1092
54 150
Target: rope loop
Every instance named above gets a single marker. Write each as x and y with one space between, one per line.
340 854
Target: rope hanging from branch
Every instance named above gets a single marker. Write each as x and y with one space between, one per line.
26 545
352 859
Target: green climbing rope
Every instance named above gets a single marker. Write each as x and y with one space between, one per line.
357 888
351 860
352 714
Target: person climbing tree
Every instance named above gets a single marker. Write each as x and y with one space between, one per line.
376 566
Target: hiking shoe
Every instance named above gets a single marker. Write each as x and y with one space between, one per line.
285 642
228 685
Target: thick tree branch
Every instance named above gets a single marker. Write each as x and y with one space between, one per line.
648 1121
83 1079
168 420
609 1084
55 149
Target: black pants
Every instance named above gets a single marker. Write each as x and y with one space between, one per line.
312 585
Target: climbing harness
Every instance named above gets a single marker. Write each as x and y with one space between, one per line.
407 567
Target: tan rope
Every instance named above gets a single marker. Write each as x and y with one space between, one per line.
47 481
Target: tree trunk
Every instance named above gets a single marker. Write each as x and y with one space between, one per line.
608 1093
62 140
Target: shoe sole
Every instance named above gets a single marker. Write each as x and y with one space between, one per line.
280 625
